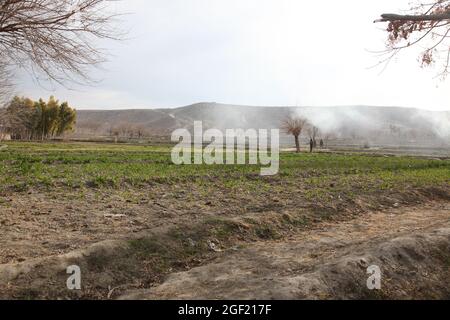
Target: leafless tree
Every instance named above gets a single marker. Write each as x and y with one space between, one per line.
5 83
429 24
90 127
55 38
3 121
294 126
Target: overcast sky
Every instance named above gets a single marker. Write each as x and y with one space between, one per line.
254 52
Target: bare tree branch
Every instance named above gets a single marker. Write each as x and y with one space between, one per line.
55 38
427 17
429 25
6 84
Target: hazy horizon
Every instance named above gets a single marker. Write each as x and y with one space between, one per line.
255 106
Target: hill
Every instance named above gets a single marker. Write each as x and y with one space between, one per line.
363 122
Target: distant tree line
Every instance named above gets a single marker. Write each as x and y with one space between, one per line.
25 119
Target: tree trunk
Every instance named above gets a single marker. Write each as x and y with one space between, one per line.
297 144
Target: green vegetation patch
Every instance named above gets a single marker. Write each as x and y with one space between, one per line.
95 165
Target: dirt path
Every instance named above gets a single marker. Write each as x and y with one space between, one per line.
411 247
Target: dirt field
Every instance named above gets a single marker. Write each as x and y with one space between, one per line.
133 221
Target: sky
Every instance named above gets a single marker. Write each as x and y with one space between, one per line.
252 52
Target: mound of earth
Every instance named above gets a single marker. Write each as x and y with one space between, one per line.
410 246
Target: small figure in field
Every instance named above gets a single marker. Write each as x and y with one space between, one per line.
321 144
311 146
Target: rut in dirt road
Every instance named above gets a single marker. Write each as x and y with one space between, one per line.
411 247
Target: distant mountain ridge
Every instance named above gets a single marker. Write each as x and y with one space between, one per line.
362 121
